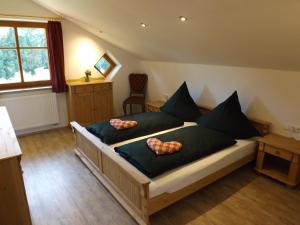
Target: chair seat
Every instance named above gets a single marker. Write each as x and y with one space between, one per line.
134 100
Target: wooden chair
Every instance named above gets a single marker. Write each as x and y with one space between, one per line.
138 83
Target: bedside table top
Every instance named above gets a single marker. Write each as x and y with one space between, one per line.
157 104
279 141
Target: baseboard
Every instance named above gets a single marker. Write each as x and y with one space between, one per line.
29 131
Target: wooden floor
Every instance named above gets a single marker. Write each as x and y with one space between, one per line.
62 191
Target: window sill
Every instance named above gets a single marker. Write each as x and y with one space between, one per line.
24 89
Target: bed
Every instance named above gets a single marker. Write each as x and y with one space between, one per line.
142 196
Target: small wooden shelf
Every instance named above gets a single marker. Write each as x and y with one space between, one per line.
154 106
278 157
277 175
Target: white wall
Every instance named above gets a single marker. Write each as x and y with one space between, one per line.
271 95
23 7
82 50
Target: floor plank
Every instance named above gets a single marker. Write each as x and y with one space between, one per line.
62 191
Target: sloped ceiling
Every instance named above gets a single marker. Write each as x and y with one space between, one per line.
251 33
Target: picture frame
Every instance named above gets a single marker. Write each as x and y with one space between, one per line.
105 65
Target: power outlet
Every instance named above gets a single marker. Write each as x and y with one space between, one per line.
297 129
293 128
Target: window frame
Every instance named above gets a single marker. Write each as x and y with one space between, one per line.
110 61
22 24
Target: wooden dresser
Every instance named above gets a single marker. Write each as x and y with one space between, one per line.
89 102
14 208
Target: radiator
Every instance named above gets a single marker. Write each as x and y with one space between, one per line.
32 111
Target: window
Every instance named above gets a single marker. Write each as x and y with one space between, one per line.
23 55
105 65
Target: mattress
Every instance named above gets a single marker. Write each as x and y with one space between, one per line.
183 176
109 149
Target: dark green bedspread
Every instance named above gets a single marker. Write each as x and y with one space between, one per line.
197 142
148 123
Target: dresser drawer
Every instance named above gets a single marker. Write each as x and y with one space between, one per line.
84 89
278 152
103 87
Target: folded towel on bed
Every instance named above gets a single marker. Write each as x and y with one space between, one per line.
162 148
122 124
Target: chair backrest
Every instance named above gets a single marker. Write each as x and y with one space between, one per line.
138 84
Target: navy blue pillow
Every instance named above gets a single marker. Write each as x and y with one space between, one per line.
229 119
182 105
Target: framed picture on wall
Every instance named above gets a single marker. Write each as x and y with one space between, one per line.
105 65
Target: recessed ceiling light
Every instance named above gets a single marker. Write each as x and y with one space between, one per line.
182 18
143 25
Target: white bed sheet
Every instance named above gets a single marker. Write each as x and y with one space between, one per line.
186 124
185 175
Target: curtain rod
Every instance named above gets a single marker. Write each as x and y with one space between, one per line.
15 16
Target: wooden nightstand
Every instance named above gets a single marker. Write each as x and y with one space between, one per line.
279 157
154 106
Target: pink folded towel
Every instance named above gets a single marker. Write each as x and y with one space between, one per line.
162 148
122 124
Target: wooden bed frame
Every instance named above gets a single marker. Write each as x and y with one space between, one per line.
131 188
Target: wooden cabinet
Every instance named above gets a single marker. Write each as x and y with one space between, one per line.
103 102
90 102
14 208
279 157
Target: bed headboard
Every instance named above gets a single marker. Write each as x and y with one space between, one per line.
262 126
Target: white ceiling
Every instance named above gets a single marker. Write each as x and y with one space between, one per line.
252 33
